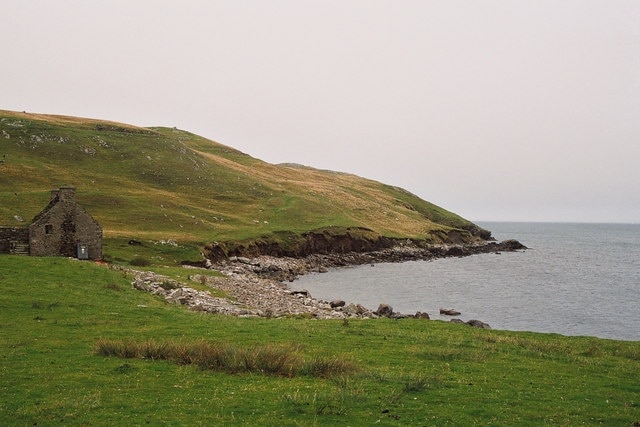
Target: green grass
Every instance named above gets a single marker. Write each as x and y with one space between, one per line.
156 252
55 313
163 183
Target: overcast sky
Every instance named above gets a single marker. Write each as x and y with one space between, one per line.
496 110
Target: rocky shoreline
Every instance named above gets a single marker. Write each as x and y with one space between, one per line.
256 286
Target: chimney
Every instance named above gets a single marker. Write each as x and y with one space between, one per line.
67 194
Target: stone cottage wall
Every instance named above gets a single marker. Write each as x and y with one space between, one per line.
59 229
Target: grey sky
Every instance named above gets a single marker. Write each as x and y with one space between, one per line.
497 110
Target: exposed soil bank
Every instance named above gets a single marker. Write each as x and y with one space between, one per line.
352 240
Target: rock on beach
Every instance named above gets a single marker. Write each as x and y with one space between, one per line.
256 286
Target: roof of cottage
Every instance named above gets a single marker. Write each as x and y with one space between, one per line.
56 199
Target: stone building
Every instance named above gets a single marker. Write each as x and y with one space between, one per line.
63 228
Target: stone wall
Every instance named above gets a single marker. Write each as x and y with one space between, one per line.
14 240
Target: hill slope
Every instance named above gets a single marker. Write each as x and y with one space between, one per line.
165 183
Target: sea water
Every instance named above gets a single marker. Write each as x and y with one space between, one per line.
576 279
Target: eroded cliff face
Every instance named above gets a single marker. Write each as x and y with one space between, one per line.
287 268
300 246
337 241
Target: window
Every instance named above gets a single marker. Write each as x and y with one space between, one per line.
48 228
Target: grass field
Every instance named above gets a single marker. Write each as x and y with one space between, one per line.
56 313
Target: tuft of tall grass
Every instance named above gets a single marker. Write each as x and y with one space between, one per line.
418 383
286 361
327 367
154 351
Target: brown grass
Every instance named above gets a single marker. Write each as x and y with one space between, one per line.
277 360
67 120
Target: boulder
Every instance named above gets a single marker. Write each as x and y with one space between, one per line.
337 303
449 312
178 296
421 315
384 310
356 310
511 245
302 293
400 316
478 324
361 310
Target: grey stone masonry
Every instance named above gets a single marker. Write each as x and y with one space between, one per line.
63 228
14 240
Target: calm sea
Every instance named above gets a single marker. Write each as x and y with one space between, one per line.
576 279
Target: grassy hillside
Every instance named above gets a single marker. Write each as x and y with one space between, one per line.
164 183
405 372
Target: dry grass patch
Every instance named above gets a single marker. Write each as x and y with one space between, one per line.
277 360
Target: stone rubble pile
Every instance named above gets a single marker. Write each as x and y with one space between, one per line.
177 293
255 288
249 295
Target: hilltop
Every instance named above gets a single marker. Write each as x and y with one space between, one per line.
161 183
